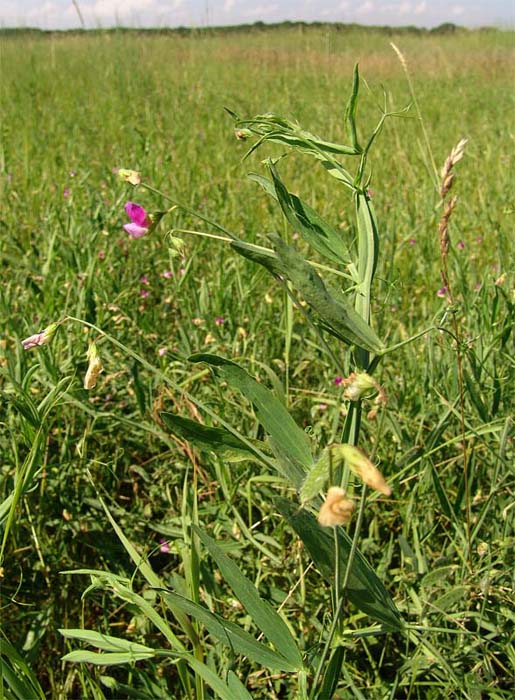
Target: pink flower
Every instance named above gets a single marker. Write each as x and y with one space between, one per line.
337 380
442 292
460 245
144 293
412 241
162 352
140 221
66 192
144 279
101 254
41 338
219 320
168 274
164 547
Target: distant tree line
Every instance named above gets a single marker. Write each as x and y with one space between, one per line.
256 27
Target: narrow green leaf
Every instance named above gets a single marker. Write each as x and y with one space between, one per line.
105 641
22 678
217 440
350 111
105 659
237 688
270 412
215 682
83 656
304 219
262 613
334 311
364 588
230 634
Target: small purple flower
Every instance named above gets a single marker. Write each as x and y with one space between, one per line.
322 407
144 279
66 192
168 274
442 292
164 547
140 221
337 380
162 352
460 245
219 320
144 293
101 254
412 241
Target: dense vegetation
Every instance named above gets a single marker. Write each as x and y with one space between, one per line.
74 109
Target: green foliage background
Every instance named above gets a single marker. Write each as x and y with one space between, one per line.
73 107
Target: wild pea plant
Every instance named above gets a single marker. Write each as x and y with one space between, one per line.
336 299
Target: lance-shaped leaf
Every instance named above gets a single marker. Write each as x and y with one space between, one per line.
304 219
230 634
364 588
268 621
336 314
295 453
217 440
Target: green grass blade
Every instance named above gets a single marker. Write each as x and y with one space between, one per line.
262 613
16 674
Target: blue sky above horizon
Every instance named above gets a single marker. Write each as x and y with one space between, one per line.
67 14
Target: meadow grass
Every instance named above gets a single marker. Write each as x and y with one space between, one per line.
76 107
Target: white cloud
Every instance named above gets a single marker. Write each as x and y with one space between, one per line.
404 8
457 10
262 10
420 9
366 8
228 5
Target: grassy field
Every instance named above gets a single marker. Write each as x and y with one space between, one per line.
82 467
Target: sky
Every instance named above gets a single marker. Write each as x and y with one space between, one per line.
67 14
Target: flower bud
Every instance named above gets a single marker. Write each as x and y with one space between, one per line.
130 176
41 338
337 509
360 465
242 134
94 367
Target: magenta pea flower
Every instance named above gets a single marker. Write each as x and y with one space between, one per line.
164 547
219 320
337 380
140 220
442 292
